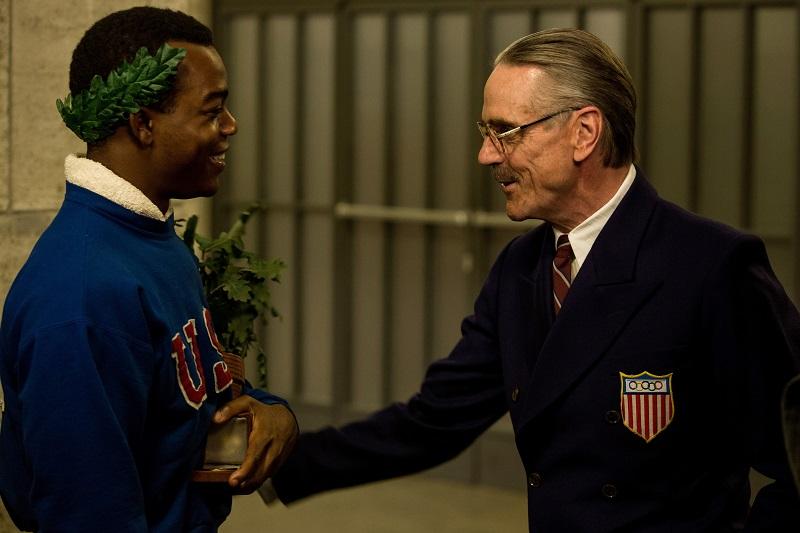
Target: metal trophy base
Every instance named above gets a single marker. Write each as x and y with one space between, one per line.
227 443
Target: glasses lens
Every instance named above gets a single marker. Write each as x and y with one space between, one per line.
487 131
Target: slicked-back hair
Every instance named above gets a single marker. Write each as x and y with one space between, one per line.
584 71
119 36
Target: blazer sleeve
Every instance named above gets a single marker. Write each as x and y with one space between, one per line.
461 396
754 338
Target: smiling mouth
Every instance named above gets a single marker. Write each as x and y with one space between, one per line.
505 182
218 159
503 177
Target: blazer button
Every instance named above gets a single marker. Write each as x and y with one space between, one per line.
515 394
613 417
535 480
609 491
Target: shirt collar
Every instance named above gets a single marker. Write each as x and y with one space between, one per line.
582 236
95 177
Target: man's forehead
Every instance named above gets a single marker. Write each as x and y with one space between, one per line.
202 70
510 91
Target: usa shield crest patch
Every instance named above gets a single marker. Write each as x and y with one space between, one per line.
646 403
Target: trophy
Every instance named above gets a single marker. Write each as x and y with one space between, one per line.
227 443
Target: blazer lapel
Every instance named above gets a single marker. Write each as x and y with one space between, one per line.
603 297
533 300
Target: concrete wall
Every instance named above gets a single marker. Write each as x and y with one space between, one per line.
36 42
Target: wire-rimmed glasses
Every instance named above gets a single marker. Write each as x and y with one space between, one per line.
496 137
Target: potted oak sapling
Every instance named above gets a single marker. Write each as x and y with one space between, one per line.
236 282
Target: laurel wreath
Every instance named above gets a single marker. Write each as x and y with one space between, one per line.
94 113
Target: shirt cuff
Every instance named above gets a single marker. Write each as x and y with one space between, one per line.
267 493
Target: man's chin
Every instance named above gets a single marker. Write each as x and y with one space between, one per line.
205 192
515 215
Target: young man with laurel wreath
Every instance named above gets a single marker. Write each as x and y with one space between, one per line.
111 370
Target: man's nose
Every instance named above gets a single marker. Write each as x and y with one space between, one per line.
489 154
229 127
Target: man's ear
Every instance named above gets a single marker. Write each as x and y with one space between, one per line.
586 135
140 125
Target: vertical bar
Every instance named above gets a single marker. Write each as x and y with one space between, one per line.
746 152
220 207
481 37
533 20
637 50
299 195
693 136
580 17
261 165
389 199
430 162
343 230
796 235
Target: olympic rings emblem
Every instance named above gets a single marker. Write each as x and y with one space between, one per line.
646 385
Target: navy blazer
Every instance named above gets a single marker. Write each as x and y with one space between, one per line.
665 299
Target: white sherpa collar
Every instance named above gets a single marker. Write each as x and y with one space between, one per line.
100 180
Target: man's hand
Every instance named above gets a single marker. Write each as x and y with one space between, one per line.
272 438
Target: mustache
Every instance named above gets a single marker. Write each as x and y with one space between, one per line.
502 174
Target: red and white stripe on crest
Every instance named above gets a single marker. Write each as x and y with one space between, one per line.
646 403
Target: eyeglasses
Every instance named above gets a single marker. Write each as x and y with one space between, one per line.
497 138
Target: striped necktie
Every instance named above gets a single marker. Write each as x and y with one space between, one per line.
562 271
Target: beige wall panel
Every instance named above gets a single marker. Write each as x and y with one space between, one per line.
781 257
504 28
280 100
45 32
39 75
18 233
721 114
280 340
5 43
452 300
455 124
775 112
243 103
411 109
369 186
39 141
317 319
369 103
368 319
319 128
408 312
667 113
608 23
557 18
197 8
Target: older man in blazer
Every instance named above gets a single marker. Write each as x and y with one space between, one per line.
641 350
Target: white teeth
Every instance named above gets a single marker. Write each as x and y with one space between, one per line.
218 158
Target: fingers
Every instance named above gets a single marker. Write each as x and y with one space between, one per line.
242 404
272 438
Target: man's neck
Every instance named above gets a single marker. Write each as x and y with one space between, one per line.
129 167
594 188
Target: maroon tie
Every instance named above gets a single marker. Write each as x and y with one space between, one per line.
562 271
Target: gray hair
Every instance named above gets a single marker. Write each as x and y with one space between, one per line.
584 71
